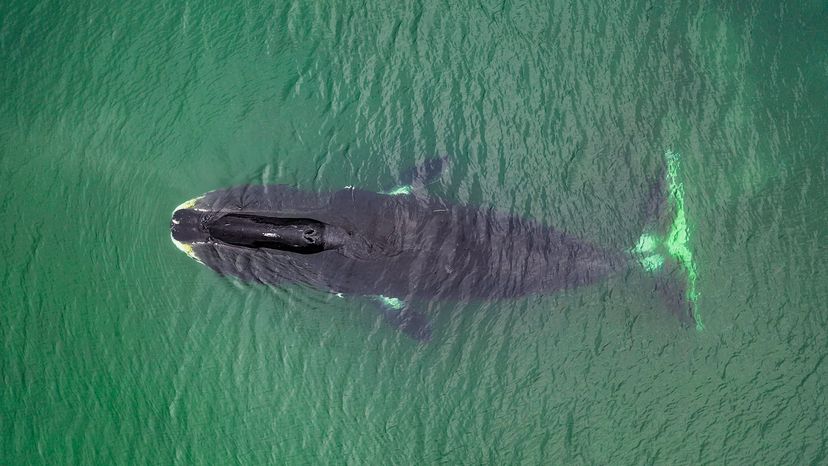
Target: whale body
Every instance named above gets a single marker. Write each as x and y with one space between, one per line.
396 249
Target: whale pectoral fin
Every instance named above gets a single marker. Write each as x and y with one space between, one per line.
427 172
412 323
401 316
416 178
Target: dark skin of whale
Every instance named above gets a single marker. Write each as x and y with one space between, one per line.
411 247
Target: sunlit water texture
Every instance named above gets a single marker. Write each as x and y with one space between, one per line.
119 349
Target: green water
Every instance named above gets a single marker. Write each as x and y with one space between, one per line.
118 349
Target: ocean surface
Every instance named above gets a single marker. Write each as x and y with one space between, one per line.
119 349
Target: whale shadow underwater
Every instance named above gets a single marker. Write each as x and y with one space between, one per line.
404 248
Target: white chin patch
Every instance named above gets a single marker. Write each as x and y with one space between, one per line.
189 205
186 249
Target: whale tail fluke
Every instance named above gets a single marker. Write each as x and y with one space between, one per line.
664 248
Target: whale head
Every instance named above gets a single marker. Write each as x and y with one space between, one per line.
195 229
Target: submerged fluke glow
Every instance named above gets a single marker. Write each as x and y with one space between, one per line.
651 249
678 237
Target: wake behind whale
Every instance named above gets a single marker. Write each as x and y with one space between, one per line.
402 249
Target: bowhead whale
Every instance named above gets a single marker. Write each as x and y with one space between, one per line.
402 248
